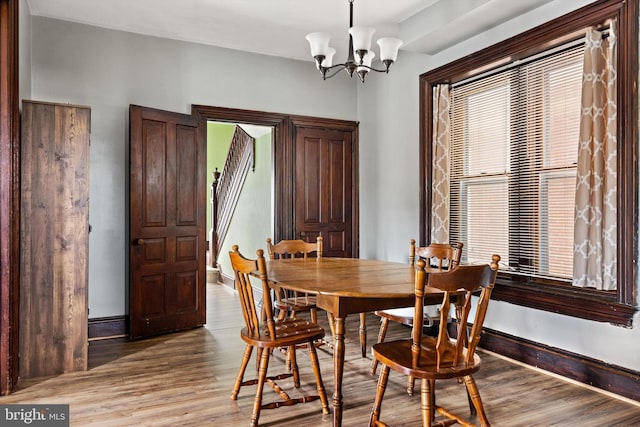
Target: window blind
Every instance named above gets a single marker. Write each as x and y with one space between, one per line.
514 141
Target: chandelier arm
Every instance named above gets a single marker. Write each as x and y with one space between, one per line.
345 65
325 69
350 66
374 69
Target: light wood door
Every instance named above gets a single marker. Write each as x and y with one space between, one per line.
167 222
54 238
323 188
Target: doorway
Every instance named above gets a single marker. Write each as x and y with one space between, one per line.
286 129
252 207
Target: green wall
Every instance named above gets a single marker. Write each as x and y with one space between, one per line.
218 141
252 220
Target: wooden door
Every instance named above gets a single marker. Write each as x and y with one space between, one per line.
54 237
323 188
167 222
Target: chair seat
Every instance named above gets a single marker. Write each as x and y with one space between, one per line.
397 355
405 315
289 332
300 303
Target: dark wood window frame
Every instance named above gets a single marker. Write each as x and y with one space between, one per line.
614 307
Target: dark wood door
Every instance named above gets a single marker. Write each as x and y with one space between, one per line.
323 188
167 222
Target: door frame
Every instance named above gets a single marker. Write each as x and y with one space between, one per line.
284 132
9 195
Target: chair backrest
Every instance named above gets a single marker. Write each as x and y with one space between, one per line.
243 268
461 282
441 256
291 248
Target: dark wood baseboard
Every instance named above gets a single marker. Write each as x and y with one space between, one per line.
118 326
227 280
615 379
621 381
108 327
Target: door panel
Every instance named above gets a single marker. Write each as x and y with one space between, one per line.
323 188
167 223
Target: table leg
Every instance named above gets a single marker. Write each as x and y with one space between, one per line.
338 368
363 334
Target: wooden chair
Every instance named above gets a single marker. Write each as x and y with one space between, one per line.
289 301
292 302
441 357
439 256
270 334
295 302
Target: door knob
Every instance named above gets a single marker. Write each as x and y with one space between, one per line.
140 242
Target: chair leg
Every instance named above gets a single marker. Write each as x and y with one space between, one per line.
258 357
288 359
262 376
384 324
314 315
472 408
291 354
432 386
363 334
410 385
328 341
243 366
287 362
315 364
426 402
474 394
332 324
382 385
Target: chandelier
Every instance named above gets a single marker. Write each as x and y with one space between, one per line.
359 46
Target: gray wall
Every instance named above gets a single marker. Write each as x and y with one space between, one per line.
108 70
24 54
388 110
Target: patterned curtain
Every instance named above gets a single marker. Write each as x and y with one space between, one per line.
594 260
440 172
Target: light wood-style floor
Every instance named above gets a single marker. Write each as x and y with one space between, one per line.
185 379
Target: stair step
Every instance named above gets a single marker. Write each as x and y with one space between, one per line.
213 275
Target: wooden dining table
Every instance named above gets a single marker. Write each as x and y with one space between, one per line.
346 286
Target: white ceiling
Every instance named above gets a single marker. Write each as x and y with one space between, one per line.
278 27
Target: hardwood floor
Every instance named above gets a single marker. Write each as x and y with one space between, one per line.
186 379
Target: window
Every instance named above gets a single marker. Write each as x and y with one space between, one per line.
514 133
513 157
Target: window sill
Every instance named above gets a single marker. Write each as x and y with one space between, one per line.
590 305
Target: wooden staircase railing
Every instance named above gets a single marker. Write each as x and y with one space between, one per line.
226 187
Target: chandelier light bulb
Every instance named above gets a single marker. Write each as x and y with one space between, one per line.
319 43
389 48
366 62
328 60
361 38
